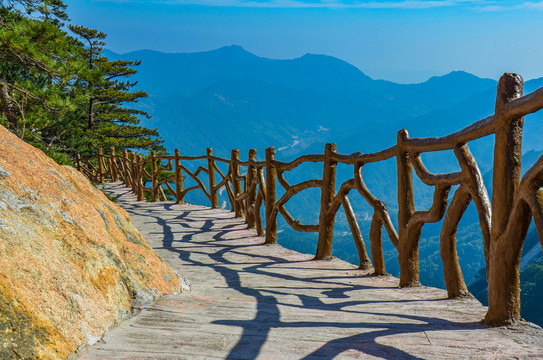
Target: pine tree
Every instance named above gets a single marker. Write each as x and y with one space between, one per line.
58 91
34 58
109 121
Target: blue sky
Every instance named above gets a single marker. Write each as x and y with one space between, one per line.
403 41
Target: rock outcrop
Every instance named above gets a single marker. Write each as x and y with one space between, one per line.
71 262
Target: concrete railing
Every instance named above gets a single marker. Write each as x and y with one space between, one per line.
504 222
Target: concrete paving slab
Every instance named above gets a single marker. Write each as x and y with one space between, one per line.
250 300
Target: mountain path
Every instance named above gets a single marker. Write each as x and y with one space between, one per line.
250 300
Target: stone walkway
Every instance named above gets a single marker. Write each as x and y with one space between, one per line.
253 301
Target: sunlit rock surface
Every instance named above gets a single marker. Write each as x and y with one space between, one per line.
71 262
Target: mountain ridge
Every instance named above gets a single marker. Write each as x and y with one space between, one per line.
239 55
342 95
237 49
229 98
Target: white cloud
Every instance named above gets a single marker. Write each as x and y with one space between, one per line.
331 4
532 5
492 8
528 5
478 5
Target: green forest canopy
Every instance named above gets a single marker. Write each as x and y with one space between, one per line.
57 90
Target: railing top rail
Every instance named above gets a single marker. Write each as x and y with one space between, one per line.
474 131
258 164
193 157
286 166
364 157
217 158
524 105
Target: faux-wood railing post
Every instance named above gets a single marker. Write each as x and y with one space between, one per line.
249 202
234 165
101 175
211 176
154 182
503 270
113 165
78 162
133 173
408 256
126 169
258 201
139 179
328 192
376 243
271 221
178 179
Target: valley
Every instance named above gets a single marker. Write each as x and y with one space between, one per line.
229 98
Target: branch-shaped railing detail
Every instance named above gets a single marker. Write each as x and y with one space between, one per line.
504 222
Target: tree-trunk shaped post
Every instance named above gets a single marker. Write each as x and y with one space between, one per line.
178 179
260 197
376 242
363 258
139 179
328 192
251 190
408 254
271 221
114 172
78 162
126 169
452 273
133 169
101 175
211 175
471 188
503 276
154 177
234 165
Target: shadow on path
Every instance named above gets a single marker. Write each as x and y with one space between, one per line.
331 289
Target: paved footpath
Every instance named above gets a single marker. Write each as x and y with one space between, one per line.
250 301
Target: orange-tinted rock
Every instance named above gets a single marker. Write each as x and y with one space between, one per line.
71 262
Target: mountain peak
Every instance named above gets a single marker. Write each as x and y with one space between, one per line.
457 75
232 50
331 62
307 56
233 47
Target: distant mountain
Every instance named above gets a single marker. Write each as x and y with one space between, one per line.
188 73
250 113
229 98
290 104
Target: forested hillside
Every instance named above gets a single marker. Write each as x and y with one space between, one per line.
250 101
57 89
229 98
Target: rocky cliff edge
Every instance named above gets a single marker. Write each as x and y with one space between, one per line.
71 262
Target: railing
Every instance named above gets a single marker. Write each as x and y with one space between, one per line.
504 222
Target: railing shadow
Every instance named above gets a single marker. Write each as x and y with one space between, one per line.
252 187
185 227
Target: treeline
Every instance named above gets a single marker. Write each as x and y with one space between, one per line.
57 90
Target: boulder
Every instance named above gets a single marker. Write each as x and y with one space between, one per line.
71 262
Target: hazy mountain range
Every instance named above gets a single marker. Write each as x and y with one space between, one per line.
229 98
